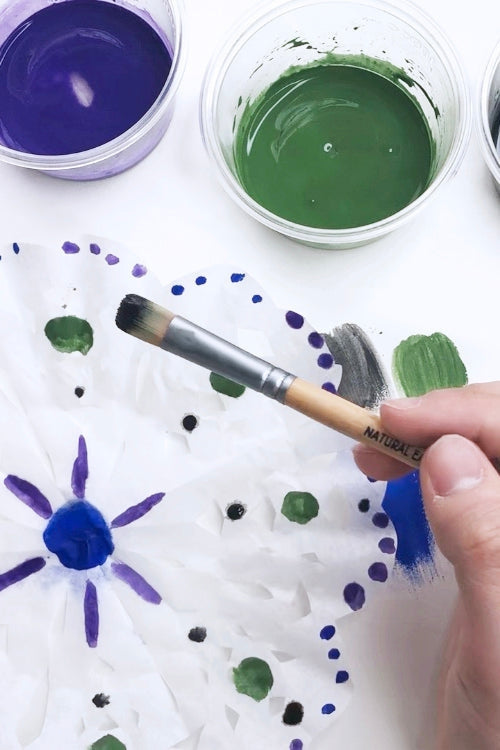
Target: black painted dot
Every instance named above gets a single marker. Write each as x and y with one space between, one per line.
235 511
100 700
190 422
197 635
294 713
364 505
79 391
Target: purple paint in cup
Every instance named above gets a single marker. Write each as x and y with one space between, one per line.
86 86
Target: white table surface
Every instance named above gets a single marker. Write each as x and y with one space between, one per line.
440 272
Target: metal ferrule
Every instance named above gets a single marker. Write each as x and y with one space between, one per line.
197 345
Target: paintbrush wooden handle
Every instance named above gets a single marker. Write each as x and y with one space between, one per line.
349 419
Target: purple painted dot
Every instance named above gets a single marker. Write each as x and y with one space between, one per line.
387 546
380 520
138 271
296 745
111 259
327 632
294 320
354 596
255 299
328 708
334 653
95 249
378 572
235 277
342 676
15 247
316 340
329 387
200 280
177 290
325 361
70 248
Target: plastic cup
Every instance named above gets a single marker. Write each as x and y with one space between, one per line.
132 145
261 48
489 111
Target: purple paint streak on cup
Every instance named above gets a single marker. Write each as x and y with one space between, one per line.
95 249
28 494
136 582
294 320
20 572
137 511
296 745
111 259
70 248
138 271
354 596
378 572
80 469
387 546
91 612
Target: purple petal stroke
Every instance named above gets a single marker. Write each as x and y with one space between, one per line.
20 572
137 511
136 582
80 469
91 612
29 495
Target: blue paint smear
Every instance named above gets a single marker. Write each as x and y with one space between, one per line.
403 504
78 534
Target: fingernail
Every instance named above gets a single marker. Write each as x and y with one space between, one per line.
403 403
453 464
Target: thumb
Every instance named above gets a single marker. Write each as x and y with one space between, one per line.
461 491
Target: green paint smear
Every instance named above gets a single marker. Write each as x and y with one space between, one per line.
336 144
300 507
108 743
253 677
424 363
226 386
70 334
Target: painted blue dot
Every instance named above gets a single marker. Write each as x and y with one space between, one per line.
380 520
327 632
387 546
15 247
328 708
177 289
325 361
95 249
235 277
316 340
342 676
200 280
329 387
78 534
256 298
111 259
296 745
354 596
334 653
378 572
294 320
70 248
139 271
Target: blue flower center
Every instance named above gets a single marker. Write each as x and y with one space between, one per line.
78 534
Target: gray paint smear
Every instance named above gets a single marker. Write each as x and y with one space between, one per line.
363 380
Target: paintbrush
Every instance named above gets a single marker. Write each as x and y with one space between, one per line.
154 324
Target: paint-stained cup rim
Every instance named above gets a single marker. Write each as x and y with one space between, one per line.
220 62
486 93
112 149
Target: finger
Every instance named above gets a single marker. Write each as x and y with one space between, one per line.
377 465
473 412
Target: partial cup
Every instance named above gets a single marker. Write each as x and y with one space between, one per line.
269 42
489 115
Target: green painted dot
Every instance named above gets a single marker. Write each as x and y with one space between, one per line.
226 386
253 677
70 334
424 363
108 743
300 507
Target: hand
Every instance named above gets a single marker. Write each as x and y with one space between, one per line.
461 491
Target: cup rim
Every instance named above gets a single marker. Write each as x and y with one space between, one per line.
490 153
251 23
110 149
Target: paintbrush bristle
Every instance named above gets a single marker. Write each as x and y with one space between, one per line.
143 319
